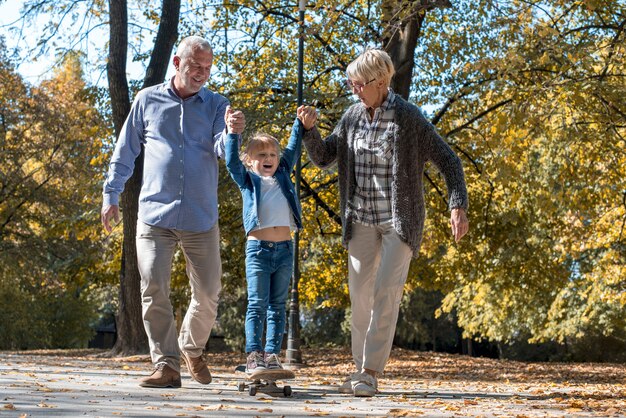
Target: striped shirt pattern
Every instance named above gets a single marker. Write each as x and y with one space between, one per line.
373 166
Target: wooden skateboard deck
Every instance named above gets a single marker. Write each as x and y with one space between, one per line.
264 381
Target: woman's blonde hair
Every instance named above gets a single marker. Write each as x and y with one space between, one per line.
371 64
259 141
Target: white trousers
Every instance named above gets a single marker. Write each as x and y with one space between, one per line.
378 264
155 250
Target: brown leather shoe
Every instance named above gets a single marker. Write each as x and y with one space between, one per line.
162 377
197 368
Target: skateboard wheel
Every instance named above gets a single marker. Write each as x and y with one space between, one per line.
252 390
287 391
241 386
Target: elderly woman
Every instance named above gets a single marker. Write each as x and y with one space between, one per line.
381 146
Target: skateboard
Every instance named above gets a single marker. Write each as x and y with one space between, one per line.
264 381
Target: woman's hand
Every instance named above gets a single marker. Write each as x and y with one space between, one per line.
459 222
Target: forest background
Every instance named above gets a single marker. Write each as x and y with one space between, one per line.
531 94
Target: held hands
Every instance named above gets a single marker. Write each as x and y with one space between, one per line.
307 115
235 121
459 223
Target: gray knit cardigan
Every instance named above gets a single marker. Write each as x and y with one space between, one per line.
415 142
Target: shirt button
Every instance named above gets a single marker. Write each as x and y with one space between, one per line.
181 176
271 244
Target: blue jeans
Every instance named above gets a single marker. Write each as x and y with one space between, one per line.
268 271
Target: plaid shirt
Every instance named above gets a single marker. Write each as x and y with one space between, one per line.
373 166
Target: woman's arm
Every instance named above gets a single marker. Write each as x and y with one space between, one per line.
322 152
448 164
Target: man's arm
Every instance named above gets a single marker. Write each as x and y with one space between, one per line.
121 167
230 122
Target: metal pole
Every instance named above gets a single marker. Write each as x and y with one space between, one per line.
294 356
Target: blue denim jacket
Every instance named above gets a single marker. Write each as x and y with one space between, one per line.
250 183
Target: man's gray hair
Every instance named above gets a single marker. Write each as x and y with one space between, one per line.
191 43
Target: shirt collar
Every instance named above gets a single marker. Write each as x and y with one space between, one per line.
389 101
391 97
203 94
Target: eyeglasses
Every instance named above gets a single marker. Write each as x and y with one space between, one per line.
358 86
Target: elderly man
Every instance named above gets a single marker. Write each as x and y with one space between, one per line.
180 124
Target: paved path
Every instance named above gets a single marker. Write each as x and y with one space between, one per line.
61 386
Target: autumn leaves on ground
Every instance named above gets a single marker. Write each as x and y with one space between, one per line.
571 387
436 384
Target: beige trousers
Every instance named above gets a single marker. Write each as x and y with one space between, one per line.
155 250
378 264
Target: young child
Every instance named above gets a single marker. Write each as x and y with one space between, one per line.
270 212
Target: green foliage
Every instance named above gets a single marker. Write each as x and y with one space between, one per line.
20 324
68 318
417 326
324 326
44 318
232 315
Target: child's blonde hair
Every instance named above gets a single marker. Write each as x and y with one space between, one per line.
259 140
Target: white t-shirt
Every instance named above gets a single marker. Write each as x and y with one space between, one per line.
273 209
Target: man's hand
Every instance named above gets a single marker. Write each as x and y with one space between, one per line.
307 115
235 121
111 211
459 223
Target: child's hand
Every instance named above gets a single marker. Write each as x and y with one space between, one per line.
308 116
235 120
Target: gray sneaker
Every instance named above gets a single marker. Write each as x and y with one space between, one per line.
255 362
364 385
346 386
272 362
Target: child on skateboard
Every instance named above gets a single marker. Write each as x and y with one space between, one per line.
270 212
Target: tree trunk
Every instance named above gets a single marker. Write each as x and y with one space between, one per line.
402 21
131 336
116 65
164 43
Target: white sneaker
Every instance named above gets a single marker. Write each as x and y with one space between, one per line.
364 385
346 386
272 362
255 362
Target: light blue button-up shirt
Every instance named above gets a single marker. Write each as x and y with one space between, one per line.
183 140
